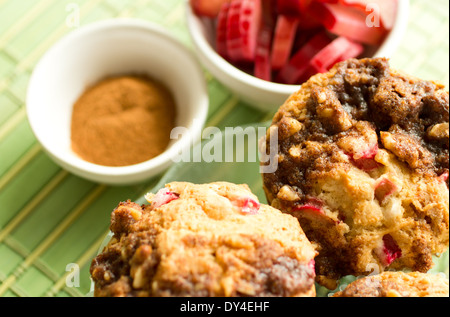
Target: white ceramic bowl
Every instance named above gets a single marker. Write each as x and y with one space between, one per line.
107 48
263 94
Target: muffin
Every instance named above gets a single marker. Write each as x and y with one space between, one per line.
397 284
363 164
204 240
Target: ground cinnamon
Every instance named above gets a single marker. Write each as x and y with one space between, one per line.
122 121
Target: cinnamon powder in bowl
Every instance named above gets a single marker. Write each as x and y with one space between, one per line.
122 120
95 118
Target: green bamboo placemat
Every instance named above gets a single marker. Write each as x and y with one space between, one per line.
52 222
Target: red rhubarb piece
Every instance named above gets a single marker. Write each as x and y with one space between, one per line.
353 51
303 37
269 12
207 8
299 62
384 188
360 4
221 30
243 24
248 205
292 7
366 159
283 41
263 69
311 208
389 250
338 50
334 52
308 22
366 164
312 266
162 197
233 36
444 176
348 22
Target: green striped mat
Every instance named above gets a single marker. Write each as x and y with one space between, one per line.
52 222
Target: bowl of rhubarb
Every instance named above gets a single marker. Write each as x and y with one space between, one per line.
263 50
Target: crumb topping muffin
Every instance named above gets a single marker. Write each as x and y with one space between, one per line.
398 284
204 240
363 154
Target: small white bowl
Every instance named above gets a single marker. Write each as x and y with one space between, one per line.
108 48
263 94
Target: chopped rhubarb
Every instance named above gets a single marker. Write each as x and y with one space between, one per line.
301 38
366 164
221 30
162 197
207 8
444 176
348 22
338 50
298 9
263 69
360 4
269 14
308 22
322 62
312 265
292 7
313 209
310 208
248 205
353 51
298 64
313 205
367 150
283 41
365 160
243 24
384 188
301 33
389 251
233 35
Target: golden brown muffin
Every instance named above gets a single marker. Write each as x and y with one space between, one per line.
363 164
204 240
397 284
